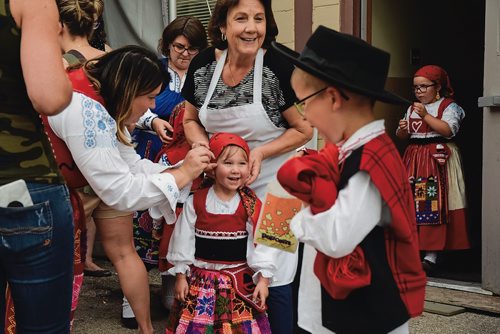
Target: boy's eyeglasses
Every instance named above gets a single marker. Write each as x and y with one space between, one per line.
422 88
300 105
179 48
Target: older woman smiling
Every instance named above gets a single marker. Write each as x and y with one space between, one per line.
240 86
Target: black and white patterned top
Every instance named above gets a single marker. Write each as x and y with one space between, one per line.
277 94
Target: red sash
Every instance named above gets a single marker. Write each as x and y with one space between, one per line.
243 284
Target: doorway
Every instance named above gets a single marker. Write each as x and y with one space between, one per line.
449 34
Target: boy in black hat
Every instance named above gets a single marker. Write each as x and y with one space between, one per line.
367 258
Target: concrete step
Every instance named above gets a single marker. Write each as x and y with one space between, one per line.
442 309
465 299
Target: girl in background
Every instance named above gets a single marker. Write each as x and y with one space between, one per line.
434 164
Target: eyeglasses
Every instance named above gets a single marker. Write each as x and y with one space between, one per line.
422 88
179 48
300 105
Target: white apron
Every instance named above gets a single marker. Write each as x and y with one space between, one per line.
251 122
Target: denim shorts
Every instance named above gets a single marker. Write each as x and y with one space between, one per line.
36 260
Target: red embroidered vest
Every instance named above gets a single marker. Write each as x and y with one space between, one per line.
220 238
418 125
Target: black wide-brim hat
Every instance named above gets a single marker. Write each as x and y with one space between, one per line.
344 61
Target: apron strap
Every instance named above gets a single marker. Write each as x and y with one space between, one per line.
215 78
257 77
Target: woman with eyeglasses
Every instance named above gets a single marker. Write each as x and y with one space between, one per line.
434 165
241 86
181 40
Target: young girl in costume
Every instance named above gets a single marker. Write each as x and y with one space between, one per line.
434 165
213 253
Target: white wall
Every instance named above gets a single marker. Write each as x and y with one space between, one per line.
491 152
133 22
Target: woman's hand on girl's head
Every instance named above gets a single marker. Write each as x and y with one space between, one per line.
255 163
196 161
181 289
261 291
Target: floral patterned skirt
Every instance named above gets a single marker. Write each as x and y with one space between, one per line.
212 306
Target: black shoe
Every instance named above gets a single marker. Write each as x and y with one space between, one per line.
130 323
429 267
97 273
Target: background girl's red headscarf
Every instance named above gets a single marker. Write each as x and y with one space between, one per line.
436 74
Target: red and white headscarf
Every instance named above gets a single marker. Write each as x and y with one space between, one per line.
219 141
436 74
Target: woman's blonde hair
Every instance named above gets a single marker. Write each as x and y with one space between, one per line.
99 7
78 15
122 75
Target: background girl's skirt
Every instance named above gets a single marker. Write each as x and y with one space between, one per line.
212 306
441 214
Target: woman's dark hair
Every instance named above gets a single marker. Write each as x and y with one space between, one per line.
122 75
187 26
219 19
98 38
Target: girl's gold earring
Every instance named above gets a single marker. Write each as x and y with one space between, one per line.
437 96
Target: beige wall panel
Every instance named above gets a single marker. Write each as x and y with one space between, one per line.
282 5
285 21
318 3
326 13
386 28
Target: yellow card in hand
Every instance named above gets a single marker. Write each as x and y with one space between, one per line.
273 226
